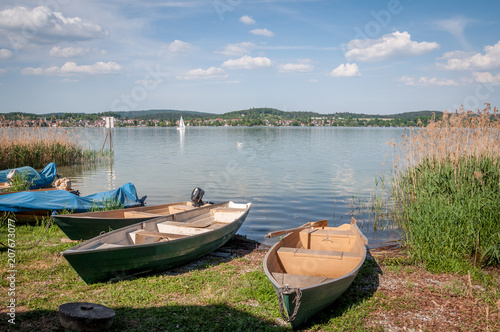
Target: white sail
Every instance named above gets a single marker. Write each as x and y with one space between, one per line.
181 124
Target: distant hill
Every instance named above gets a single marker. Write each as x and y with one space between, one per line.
163 114
405 115
272 112
416 114
265 112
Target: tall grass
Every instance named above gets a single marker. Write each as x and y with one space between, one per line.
37 147
447 191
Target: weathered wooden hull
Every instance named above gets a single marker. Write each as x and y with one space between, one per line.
101 259
310 280
84 226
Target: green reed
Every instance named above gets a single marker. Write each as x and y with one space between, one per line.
447 195
36 147
106 205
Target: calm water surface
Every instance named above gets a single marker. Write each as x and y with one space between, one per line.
290 175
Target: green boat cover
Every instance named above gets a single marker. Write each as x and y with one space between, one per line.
56 200
39 179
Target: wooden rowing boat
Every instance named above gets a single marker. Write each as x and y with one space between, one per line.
157 244
312 266
84 226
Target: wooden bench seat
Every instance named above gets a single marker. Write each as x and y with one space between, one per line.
301 252
227 209
140 237
205 221
319 263
329 232
179 208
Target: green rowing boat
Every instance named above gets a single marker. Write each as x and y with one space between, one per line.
84 226
157 244
312 266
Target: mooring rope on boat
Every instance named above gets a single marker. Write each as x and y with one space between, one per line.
289 290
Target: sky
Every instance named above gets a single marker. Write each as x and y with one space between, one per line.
217 56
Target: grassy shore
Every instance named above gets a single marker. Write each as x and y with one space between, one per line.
36 147
233 294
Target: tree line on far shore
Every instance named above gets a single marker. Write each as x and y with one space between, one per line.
249 117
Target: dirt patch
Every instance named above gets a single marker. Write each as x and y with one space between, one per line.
409 298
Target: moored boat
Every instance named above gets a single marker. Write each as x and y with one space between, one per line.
28 205
157 244
84 226
312 266
36 179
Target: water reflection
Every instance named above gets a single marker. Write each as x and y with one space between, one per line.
182 134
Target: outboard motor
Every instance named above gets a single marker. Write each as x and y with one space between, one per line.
197 196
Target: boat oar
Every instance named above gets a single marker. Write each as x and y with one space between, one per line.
321 223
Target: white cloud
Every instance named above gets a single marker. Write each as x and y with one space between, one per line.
248 62
425 81
68 52
456 27
486 77
42 25
178 46
205 74
247 20
2 71
346 70
262 32
5 54
393 45
466 61
237 49
301 66
71 68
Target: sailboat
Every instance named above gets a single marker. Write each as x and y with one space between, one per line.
182 126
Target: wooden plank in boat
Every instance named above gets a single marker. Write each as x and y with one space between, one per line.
138 214
330 232
197 223
302 252
179 208
298 280
227 209
140 237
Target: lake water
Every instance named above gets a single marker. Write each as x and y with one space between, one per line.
290 175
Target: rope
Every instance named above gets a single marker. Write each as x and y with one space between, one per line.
289 290
33 246
45 232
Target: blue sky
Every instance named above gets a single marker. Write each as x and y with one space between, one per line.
375 57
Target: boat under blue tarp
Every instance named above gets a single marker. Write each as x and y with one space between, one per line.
39 179
57 200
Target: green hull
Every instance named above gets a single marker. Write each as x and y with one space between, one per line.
86 228
118 262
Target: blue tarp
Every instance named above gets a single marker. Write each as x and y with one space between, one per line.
56 200
40 179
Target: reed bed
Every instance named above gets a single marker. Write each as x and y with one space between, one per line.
447 191
37 147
